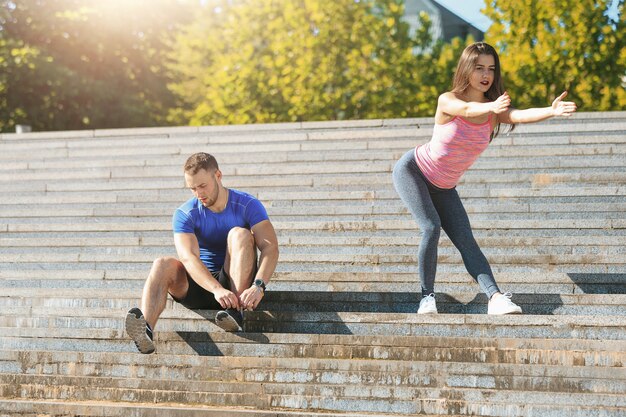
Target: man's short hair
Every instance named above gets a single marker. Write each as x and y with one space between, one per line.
199 161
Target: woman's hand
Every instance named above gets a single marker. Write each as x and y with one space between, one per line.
501 104
563 108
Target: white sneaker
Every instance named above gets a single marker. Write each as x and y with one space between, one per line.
428 305
502 304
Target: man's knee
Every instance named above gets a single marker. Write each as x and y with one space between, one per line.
165 262
238 237
168 268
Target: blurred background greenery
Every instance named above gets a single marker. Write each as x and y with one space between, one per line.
93 64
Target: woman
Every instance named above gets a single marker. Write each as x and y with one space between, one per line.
466 120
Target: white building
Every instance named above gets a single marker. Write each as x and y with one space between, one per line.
445 24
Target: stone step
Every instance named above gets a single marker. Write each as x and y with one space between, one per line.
131 269
543 237
363 373
335 252
357 141
177 195
609 327
600 120
278 132
234 164
308 139
404 252
120 280
313 355
132 193
141 175
559 226
469 302
123 270
567 134
287 183
408 401
49 278
445 325
278 209
52 408
294 240
307 171
55 408
281 210
614 255
84 346
398 284
555 135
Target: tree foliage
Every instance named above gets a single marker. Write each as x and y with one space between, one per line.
71 64
547 46
253 61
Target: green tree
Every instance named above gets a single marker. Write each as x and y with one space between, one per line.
251 61
547 46
436 68
75 64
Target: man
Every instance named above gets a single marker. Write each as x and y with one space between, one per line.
216 234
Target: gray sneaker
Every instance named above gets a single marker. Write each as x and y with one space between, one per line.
139 330
229 320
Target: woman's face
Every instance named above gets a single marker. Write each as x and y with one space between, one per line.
483 74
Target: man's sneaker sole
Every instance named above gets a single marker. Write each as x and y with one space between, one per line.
227 322
136 328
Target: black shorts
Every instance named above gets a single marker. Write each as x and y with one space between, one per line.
199 298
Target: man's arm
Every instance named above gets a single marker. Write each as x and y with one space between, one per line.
267 242
265 239
189 254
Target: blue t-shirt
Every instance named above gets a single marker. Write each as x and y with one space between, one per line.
211 229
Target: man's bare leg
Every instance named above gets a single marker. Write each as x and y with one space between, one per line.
167 275
240 260
240 265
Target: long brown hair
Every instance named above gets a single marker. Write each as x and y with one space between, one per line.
464 69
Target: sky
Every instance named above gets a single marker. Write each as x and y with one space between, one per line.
469 10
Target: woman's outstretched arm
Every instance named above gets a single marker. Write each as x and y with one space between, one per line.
450 104
537 114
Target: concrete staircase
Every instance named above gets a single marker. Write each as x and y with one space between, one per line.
84 213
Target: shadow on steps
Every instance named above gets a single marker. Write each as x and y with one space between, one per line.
599 283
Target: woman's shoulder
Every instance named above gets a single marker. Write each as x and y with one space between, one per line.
445 100
449 95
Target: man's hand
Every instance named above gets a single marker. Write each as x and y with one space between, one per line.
563 108
226 298
251 298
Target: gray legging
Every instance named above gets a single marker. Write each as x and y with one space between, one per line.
434 208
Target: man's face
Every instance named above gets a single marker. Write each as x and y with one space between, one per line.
205 185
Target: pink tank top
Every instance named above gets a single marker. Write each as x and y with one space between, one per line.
452 150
